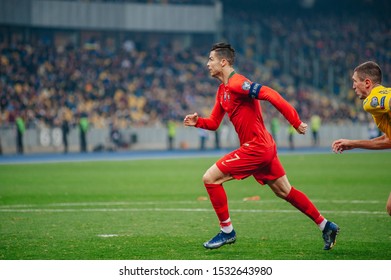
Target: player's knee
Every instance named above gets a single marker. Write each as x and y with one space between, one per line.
207 179
281 193
214 176
280 187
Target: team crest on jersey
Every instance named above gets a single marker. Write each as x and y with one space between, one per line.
246 85
227 96
374 102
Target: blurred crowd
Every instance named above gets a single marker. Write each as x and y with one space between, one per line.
128 87
311 58
308 61
190 2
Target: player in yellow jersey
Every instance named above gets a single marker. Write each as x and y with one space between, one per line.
367 79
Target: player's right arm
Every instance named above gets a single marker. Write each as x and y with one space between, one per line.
210 123
379 143
191 120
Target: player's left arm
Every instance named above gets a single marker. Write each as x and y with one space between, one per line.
262 92
382 142
285 108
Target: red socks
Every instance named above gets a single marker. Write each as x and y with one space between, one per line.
302 202
218 198
219 201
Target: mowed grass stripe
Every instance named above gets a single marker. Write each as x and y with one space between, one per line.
32 210
152 208
109 203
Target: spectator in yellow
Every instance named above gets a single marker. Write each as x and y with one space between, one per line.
171 127
315 124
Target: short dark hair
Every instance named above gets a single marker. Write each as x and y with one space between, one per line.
369 70
224 50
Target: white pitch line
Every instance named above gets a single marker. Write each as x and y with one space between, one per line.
75 204
108 235
57 210
186 202
46 210
88 207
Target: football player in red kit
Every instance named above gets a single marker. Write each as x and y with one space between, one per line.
257 155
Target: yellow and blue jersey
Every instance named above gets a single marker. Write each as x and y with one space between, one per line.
378 104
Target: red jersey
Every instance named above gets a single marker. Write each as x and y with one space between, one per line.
239 99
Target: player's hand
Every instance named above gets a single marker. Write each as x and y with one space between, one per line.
191 120
341 145
302 128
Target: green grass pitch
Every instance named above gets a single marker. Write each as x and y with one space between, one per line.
150 210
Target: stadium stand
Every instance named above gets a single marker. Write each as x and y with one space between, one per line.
133 83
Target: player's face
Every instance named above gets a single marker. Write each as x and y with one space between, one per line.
214 64
359 86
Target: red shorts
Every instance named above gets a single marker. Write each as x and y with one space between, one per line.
252 159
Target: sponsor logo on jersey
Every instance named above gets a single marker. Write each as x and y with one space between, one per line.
382 101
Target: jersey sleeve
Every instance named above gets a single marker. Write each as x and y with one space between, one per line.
378 103
241 84
214 120
283 106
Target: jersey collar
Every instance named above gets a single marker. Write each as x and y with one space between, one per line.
230 75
